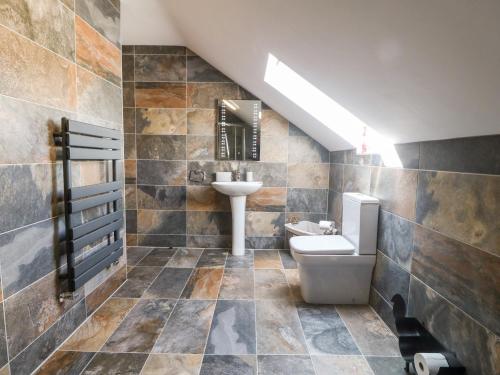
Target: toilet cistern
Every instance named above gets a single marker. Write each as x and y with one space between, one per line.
238 191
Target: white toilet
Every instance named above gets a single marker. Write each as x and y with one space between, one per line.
338 269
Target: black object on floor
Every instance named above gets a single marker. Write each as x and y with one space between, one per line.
414 338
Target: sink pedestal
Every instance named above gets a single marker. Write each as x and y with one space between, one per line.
238 215
238 191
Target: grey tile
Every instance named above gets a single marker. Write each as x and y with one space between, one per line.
383 309
116 363
187 329
325 331
48 23
41 304
265 242
155 68
395 238
356 179
396 190
128 49
161 240
336 177
161 222
24 131
141 327
27 194
233 328
102 16
464 275
157 257
161 147
337 157
128 70
160 50
462 206
237 283
212 258
307 200
370 333
3 339
278 328
210 241
341 365
31 357
389 278
271 174
240 261
387 365
138 280
467 155
39 243
287 259
131 221
271 284
128 94
285 364
160 172
169 283
161 197
229 365
209 223
474 346
265 224
306 149
98 98
409 154
294 131
185 258
198 70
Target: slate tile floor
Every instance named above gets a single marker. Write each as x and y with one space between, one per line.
195 311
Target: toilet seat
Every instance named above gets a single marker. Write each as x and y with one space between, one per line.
321 245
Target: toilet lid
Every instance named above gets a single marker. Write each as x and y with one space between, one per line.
321 245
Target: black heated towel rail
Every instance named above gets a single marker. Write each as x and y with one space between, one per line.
83 142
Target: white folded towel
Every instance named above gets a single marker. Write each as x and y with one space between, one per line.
324 224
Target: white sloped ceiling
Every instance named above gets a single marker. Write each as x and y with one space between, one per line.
412 70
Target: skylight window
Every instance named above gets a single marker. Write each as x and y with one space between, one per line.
327 111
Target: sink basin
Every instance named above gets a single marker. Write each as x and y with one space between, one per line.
238 191
237 188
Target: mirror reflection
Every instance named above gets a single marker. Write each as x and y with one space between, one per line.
238 129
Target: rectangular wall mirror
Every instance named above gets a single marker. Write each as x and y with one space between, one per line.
238 129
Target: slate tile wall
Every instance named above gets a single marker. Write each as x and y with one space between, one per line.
53 63
438 238
170 97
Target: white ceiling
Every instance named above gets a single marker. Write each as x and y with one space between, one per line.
412 70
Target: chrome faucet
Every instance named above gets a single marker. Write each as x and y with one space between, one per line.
237 175
294 220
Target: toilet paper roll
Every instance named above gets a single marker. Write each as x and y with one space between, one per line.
323 224
429 363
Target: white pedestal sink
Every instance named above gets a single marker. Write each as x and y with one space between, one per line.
238 191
